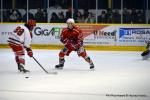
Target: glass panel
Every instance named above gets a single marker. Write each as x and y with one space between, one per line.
17 10
37 10
134 11
137 4
59 10
86 4
7 4
148 12
13 10
109 12
102 4
116 4
148 4
59 4
7 10
0 11
21 6
85 11
34 4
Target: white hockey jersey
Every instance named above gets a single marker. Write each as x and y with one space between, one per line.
20 36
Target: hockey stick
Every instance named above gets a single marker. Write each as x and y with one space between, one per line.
43 67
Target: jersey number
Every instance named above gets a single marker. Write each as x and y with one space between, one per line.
19 30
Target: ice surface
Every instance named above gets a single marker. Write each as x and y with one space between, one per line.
122 75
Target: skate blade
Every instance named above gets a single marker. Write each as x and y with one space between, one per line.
92 69
54 73
24 72
59 68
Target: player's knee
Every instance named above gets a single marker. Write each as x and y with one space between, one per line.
20 53
22 61
83 54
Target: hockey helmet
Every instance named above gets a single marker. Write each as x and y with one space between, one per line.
31 22
70 23
70 20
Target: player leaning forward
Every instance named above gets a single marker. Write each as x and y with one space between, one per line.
20 41
72 38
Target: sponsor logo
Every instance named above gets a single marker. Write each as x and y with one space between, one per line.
104 34
133 31
133 34
55 31
6 33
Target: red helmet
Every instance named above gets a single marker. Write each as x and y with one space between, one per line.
31 22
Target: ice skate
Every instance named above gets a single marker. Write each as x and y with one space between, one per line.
146 54
61 63
22 69
59 66
92 66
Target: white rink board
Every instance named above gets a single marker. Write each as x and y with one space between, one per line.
112 35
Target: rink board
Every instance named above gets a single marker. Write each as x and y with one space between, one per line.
99 48
96 36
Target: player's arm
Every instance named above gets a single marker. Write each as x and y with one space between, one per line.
79 42
27 39
27 43
63 37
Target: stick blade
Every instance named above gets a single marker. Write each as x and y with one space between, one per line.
53 73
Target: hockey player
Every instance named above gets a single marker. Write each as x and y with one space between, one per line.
72 38
146 54
20 41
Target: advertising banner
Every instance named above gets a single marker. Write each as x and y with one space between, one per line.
47 33
95 34
5 30
133 36
42 33
100 35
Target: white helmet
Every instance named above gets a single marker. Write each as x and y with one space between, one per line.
70 20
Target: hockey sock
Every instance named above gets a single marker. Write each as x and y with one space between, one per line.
88 60
61 60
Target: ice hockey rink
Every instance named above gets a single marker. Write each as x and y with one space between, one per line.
118 75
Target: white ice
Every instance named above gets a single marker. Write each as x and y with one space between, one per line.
121 75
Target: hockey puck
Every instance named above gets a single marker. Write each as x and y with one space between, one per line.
26 77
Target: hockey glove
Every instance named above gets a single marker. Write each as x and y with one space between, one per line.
29 51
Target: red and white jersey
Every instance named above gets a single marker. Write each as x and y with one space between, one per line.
20 36
74 34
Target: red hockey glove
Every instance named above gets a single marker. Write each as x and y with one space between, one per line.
29 51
